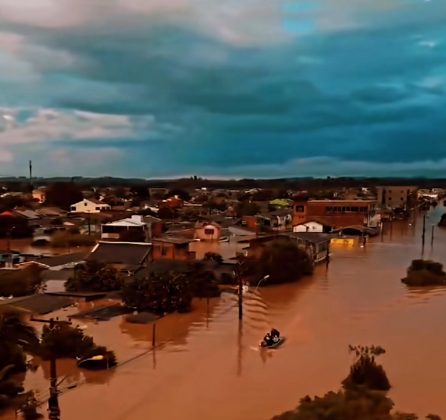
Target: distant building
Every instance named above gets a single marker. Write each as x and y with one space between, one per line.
39 195
334 213
396 197
135 228
89 206
312 226
172 248
208 232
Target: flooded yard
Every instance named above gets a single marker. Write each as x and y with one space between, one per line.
207 366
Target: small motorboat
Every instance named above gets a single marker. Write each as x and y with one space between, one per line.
97 362
274 344
272 340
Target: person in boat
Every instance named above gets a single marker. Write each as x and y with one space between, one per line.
275 335
268 340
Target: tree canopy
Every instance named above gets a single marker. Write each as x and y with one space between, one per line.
95 277
63 194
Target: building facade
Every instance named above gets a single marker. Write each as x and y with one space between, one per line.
396 197
89 206
334 213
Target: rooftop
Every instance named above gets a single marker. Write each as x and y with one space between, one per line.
38 304
58 260
173 240
127 253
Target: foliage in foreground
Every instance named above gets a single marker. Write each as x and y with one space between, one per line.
425 273
364 395
365 372
95 277
16 338
65 341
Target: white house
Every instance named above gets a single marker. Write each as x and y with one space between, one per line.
310 227
121 229
89 206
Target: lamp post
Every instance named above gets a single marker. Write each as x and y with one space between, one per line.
262 279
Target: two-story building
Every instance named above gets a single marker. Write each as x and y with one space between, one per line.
334 213
89 206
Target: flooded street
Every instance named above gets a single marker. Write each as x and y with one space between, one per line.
207 367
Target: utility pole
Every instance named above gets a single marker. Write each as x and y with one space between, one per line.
89 224
432 236
423 235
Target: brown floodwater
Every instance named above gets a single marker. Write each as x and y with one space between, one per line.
207 366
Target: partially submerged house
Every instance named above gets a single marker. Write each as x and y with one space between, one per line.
172 248
317 245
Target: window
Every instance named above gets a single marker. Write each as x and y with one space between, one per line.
300 209
73 208
85 204
209 231
98 208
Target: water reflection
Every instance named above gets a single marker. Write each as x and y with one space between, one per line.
240 349
172 330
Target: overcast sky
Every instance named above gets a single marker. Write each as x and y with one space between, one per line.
268 88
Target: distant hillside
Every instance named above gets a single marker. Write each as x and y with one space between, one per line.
195 182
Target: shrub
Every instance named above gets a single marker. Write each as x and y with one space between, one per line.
365 372
425 273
